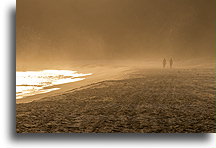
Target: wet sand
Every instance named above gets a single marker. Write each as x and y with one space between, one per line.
99 74
143 101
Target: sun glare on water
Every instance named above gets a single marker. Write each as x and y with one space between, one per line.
30 83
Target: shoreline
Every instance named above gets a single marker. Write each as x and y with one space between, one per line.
99 74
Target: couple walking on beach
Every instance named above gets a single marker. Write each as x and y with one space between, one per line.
170 62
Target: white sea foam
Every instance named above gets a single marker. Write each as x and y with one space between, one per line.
30 83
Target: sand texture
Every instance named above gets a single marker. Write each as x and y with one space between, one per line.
146 101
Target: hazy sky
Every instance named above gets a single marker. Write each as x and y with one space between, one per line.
114 29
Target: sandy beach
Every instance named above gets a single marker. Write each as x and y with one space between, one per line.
141 101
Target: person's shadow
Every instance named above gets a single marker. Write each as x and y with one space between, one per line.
73 137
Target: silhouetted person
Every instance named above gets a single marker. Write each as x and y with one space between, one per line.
164 63
171 62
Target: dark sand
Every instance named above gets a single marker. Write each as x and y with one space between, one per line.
145 101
